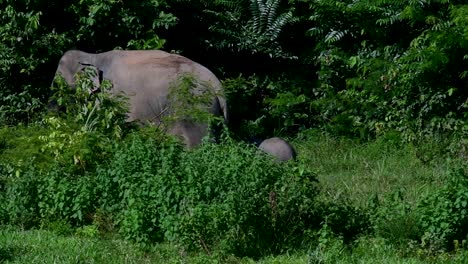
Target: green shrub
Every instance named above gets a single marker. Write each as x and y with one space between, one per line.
189 104
444 213
217 197
402 68
17 107
21 143
242 201
66 196
21 197
25 49
137 182
244 97
82 134
31 196
101 111
60 186
5 172
346 221
59 227
70 146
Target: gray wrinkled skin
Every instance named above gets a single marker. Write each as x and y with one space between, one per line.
279 148
145 77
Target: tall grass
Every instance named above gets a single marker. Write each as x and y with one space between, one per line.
41 246
348 169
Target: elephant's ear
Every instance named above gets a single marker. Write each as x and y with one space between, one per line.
95 74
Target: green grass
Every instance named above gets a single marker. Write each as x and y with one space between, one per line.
359 171
47 247
376 250
40 246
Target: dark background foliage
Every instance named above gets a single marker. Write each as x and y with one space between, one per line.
352 67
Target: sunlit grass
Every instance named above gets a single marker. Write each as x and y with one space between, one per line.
48 247
359 171
370 250
41 246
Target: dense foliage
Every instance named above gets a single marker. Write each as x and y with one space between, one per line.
354 67
405 70
392 70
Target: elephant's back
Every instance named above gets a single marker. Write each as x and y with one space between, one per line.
152 58
161 64
279 148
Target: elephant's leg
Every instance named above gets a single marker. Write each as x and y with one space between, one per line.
189 132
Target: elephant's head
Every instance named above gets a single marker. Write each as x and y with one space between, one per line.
73 62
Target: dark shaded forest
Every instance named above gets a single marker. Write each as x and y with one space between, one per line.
357 68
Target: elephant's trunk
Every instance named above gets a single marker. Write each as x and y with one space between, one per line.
223 106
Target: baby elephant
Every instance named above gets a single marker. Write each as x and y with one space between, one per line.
278 148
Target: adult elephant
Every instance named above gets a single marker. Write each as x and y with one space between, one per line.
146 76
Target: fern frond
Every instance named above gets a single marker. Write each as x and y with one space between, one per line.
256 11
265 17
442 26
315 31
276 26
334 36
271 8
390 20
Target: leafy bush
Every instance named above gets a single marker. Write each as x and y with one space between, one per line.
243 202
250 26
31 197
245 96
224 196
103 25
139 180
95 111
444 213
191 100
410 82
5 172
63 196
21 197
83 133
24 49
344 220
68 145
16 107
